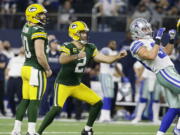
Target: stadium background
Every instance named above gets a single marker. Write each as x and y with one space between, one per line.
161 13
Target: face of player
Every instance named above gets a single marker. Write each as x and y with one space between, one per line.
113 45
42 17
54 46
147 30
83 36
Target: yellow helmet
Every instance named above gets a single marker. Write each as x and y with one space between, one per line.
75 28
32 12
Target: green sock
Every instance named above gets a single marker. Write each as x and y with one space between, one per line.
49 118
21 109
95 109
33 110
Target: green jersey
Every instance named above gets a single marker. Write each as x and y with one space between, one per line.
28 35
71 73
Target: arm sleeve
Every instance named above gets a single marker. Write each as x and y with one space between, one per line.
39 34
64 49
136 46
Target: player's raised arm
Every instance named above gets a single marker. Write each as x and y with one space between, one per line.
144 53
109 59
170 46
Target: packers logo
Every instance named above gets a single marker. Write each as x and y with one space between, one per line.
73 26
32 9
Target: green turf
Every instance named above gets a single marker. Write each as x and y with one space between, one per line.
74 128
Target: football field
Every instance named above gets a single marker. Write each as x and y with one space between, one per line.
72 127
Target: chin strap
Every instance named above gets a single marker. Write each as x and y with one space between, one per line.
83 42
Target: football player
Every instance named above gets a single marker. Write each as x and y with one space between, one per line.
35 69
155 58
74 58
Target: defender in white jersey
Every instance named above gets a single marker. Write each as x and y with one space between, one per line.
154 57
148 86
107 83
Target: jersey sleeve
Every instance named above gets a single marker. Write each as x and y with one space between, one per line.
64 48
39 33
135 46
95 50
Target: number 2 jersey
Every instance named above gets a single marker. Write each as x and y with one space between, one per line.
28 35
161 61
71 73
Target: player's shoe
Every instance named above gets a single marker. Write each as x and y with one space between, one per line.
176 131
15 133
31 133
90 132
135 121
157 122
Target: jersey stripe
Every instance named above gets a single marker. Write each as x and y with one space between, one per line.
136 47
95 52
64 49
39 34
168 79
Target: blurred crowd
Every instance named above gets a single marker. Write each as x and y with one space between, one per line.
96 13
125 74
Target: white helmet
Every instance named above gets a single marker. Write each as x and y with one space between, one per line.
140 28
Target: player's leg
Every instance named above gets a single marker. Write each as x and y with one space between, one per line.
36 93
144 93
169 78
61 92
156 105
86 94
21 108
173 111
176 130
107 85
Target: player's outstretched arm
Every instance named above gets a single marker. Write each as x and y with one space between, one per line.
146 54
170 46
109 59
41 57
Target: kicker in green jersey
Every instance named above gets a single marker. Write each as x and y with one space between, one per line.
71 73
28 35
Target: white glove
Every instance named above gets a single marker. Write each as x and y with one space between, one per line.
172 33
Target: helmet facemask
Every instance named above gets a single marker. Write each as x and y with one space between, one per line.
83 36
141 29
42 18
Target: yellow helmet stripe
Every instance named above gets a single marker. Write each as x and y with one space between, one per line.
64 49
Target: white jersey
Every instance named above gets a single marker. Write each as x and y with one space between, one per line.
15 65
161 61
106 68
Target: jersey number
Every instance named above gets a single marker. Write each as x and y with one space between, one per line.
161 53
26 47
80 66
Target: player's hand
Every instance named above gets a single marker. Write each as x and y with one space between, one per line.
122 54
160 33
81 54
48 72
172 33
